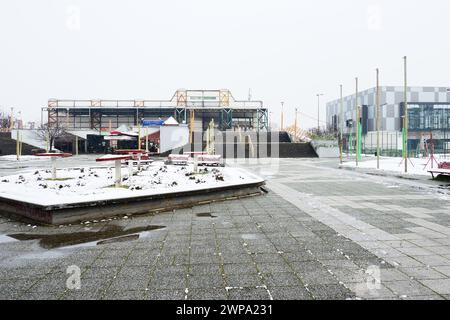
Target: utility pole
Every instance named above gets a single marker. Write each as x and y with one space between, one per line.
318 112
47 141
19 127
341 124
378 118
358 149
20 143
295 124
282 116
405 120
139 134
191 126
146 139
357 122
17 145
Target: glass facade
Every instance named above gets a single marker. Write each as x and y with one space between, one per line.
429 123
428 116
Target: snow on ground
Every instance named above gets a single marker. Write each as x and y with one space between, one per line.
416 166
22 158
78 185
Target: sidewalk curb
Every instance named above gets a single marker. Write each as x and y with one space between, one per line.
384 173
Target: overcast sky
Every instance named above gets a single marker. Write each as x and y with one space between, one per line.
283 50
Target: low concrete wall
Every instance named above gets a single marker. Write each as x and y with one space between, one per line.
63 214
257 150
326 148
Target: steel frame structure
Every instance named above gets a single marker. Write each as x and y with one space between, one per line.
263 119
219 104
226 119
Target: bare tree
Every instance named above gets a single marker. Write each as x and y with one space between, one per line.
50 133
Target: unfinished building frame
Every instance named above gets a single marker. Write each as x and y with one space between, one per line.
102 115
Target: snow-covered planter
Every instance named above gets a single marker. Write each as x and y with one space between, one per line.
79 193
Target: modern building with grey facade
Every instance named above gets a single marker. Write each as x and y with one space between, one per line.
428 114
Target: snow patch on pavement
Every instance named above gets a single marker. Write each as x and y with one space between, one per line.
416 166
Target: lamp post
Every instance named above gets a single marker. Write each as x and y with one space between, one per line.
295 124
282 116
341 124
378 117
146 139
318 111
358 140
405 119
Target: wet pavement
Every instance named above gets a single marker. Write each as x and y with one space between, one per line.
319 233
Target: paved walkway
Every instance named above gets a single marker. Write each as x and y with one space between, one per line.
406 224
320 233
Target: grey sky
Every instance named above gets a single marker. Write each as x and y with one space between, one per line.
284 50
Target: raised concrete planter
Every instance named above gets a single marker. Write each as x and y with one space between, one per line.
81 194
71 213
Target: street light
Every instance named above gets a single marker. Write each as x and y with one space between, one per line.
378 118
11 121
405 120
282 120
295 124
318 111
341 123
379 109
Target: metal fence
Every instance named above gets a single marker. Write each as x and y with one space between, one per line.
391 145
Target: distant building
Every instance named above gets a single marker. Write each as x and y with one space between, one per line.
428 115
192 107
91 120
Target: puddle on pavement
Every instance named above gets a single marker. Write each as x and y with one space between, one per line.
206 215
109 234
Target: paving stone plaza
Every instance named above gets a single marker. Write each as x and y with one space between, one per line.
319 233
